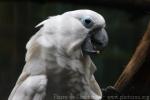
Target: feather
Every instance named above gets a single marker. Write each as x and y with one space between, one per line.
56 65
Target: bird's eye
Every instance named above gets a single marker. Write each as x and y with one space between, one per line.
87 22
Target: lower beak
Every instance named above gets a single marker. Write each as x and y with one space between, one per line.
95 43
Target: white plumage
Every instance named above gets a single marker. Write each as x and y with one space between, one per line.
56 65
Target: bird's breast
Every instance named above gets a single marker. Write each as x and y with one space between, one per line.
65 83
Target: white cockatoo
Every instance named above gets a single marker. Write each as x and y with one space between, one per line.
58 65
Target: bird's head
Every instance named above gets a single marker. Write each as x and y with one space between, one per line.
88 30
79 30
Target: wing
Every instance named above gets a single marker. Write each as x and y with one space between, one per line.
22 77
97 94
32 88
95 87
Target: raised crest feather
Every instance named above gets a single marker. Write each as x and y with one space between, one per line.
42 23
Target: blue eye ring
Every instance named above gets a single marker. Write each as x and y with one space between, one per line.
87 22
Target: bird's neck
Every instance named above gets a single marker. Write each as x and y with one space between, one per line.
75 61
47 60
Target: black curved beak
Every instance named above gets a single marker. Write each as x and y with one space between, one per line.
95 42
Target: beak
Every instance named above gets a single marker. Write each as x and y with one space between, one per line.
95 42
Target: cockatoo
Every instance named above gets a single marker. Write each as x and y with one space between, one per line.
58 65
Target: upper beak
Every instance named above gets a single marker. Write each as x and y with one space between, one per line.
95 42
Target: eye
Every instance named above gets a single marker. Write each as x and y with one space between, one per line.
87 22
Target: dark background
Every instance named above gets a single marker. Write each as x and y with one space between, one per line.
126 23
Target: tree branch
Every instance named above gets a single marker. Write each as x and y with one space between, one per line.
136 71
